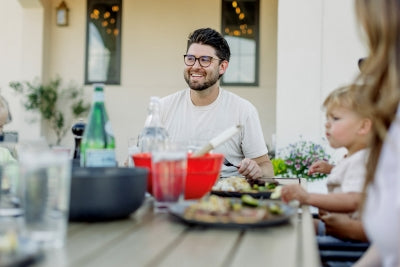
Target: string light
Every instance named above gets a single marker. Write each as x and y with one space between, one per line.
109 22
115 8
243 27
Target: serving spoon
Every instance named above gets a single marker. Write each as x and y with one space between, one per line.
218 140
227 163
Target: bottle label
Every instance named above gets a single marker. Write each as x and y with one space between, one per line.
108 128
100 158
98 97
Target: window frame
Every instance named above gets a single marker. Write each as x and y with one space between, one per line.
116 79
256 39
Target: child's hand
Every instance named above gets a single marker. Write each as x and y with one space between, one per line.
320 166
294 191
336 224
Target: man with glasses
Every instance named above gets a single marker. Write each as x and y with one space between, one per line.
204 110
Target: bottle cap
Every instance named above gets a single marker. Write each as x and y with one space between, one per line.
98 86
154 99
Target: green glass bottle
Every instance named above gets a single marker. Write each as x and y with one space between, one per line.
98 143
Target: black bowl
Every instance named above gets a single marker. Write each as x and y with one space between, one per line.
103 194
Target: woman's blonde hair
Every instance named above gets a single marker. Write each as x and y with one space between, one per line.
380 71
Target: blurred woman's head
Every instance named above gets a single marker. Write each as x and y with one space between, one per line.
380 76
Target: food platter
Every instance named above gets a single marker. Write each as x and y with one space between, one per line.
178 211
239 186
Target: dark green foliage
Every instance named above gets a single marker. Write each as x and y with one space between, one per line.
51 100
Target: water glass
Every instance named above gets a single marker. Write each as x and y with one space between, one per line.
169 164
12 189
47 177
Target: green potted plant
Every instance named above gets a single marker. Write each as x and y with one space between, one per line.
295 160
55 103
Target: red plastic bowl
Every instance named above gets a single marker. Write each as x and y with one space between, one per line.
144 160
202 173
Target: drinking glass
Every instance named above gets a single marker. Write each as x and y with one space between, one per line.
169 164
47 176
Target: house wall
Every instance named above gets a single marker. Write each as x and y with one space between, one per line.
21 55
153 42
307 48
319 45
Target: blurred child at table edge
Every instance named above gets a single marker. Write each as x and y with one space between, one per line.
323 166
5 117
348 125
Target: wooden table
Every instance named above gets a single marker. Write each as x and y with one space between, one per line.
149 239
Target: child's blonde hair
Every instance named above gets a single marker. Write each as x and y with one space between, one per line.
349 97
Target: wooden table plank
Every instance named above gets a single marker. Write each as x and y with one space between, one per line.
202 247
309 247
149 239
138 248
87 243
85 239
271 246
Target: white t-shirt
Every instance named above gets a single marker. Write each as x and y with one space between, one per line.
188 123
349 174
381 217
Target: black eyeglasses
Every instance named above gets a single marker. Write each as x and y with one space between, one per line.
204 61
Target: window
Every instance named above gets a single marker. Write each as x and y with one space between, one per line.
240 23
103 41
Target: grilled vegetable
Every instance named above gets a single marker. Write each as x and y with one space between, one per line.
249 200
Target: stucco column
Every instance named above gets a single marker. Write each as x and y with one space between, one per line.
22 49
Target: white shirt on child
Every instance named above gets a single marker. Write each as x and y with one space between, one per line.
349 174
381 217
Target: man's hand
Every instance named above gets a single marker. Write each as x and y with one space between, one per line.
260 167
250 169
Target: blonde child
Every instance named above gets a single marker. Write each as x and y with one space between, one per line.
347 126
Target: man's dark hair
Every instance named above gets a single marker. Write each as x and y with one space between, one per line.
208 36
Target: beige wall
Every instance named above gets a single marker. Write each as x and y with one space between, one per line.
154 36
307 49
318 49
21 55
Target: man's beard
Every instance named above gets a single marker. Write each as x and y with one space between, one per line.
201 86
